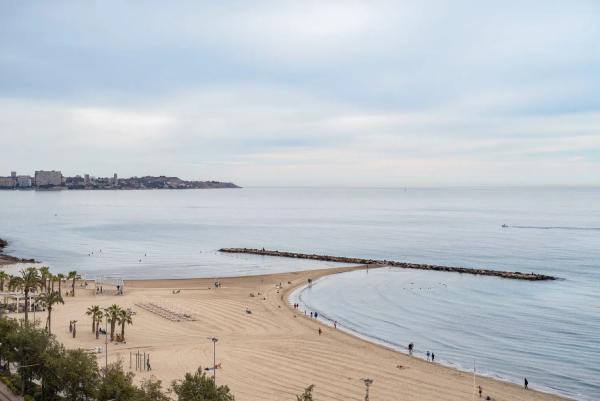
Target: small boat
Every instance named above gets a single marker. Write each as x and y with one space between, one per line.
504 225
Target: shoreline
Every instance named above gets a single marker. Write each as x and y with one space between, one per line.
280 337
345 343
9 259
295 293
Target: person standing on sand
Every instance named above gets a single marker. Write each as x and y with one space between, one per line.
311 315
480 391
335 324
427 356
410 348
525 384
432 357
320 331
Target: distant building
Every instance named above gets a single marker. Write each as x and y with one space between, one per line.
24 181
76 182
115 180
86 179
48 178
7 182
13 175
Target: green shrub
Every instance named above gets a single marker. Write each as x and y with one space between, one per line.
10 383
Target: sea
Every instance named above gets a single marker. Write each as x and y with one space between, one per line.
548 332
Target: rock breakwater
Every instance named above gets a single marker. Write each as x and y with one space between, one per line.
514 275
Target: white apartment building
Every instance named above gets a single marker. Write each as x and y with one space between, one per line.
48 178
24 181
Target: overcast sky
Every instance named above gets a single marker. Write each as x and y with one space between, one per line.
367 93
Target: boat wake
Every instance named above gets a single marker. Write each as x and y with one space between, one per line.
555 228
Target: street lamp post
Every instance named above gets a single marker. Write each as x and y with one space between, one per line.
368 383
214 340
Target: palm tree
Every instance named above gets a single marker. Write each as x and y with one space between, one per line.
99 315
93 312
60 278
124 317
15 283
73 276
112 314
52 279
3 277
45 273
49 299
29 280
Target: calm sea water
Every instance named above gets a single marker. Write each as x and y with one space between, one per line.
548 332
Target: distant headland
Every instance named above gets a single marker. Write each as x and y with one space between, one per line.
54 180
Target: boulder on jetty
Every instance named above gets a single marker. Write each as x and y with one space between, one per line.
403 265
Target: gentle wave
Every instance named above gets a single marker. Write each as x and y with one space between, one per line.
392 315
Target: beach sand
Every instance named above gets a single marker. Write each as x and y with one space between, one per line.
271 354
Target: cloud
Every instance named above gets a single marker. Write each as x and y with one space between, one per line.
286 93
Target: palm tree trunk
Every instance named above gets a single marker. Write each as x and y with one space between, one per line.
59 281
26 305
49 320
73 288
123 331
112 330
93 324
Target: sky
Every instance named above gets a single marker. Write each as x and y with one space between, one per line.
304 93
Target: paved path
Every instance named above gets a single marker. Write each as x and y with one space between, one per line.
7 395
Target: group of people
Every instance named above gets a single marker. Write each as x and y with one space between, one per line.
100 290
430 355
488 398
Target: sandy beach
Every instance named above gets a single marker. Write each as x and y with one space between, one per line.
270 354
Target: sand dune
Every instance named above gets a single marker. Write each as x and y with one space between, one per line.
271 354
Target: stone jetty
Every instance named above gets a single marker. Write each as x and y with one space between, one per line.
403 265
7 259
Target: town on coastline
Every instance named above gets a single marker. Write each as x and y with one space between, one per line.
54 180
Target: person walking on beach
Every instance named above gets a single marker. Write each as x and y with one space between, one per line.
432 357
427 356
480 391
410 348
525 384
335 324
311 315
316 315
320 331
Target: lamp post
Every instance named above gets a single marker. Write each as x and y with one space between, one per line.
368 383
214 340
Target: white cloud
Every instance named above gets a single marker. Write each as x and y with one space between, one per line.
352 93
